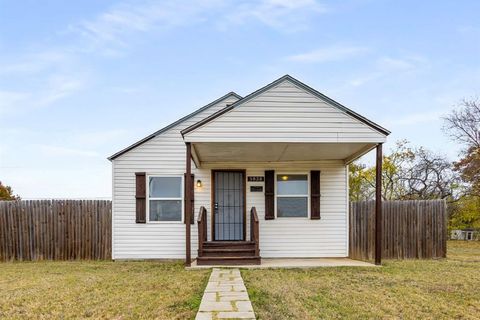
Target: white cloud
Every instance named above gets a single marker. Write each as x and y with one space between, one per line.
326 54
52 89
286 15
99 138
57 151
390 64
9 100
59 87
35 62
113 29
387 66
415 118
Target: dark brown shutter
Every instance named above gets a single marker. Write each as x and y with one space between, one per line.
140 197
269 194
192 192
315 194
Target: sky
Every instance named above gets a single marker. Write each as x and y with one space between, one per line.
81 80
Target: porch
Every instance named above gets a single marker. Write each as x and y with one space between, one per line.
292 263
304 241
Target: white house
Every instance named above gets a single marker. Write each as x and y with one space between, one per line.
265 175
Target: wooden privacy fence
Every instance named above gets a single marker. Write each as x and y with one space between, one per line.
412 229
81 229
55 229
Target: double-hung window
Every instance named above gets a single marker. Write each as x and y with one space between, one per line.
292 195
165 198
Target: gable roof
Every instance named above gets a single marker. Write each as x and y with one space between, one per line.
298 83
153 135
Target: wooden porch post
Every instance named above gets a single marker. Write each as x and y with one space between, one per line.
188 204
378 206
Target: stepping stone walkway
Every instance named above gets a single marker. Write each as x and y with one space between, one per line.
225 297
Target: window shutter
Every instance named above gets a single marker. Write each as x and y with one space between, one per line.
140 197
315 194
192 191
269 194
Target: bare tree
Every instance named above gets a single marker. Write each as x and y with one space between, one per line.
463 125
429 176
407 173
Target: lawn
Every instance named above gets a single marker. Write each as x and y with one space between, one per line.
107 290
434 289
440 289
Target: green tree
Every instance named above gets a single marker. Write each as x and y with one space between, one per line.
359 188
6 193
465 213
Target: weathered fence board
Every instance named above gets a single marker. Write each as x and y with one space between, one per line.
413 229
55 229
81 229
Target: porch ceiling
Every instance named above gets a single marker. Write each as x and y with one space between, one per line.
268 152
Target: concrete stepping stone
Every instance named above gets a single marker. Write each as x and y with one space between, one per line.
225 297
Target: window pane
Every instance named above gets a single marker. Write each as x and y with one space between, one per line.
292 207
165 187
165 210
292 184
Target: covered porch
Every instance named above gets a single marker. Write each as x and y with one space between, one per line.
297 144
240 156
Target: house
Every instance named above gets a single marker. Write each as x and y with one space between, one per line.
468 234
265 175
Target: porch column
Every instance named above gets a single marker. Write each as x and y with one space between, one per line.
188 204
378 206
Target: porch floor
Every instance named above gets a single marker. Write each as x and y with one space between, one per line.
294 263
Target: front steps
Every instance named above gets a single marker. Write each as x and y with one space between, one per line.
228 253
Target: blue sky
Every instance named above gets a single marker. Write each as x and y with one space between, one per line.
80 80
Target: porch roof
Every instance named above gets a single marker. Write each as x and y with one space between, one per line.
214 152
284 121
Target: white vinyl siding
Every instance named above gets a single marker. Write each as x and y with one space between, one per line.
292 237
285 113
162 155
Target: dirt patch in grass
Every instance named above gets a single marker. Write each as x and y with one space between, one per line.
411 289
106 290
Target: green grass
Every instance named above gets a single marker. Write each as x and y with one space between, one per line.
106 290
432 289
410 289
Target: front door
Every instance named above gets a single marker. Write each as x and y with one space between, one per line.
228 205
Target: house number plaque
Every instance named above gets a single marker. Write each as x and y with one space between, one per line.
255 179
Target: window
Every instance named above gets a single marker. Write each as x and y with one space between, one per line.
165 198
292 195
